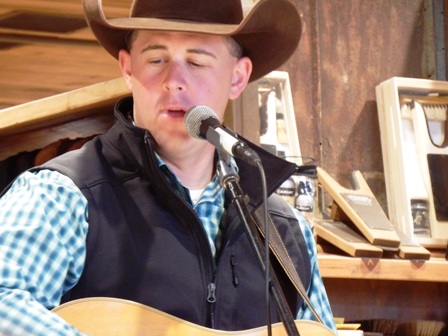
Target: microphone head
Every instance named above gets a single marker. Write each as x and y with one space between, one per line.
194 117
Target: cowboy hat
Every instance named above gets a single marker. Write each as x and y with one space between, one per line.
268 34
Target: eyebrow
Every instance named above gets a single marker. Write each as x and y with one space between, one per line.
154 47
192 51
202 52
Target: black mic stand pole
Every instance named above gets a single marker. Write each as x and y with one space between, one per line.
230 180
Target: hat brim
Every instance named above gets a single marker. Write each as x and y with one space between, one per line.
269 33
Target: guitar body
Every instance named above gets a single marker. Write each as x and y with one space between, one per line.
110 316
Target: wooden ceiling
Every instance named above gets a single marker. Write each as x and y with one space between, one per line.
46 48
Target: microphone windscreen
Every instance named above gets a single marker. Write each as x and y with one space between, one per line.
194 117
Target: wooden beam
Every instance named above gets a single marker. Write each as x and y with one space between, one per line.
41 38
111 7
62 107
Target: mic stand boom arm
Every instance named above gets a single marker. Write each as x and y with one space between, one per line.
230 180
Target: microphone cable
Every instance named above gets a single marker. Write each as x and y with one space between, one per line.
266 246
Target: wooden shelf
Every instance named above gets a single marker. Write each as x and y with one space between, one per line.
337 266
78 113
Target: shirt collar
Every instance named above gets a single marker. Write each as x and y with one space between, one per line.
212 188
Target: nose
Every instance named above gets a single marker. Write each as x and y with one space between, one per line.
175 78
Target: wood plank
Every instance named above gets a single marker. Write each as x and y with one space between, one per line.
36 72
111 7
33 72
42 137
63 107
359 299
75 114
43 38
333 266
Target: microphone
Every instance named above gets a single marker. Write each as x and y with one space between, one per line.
203 123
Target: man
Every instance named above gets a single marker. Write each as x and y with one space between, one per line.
139 213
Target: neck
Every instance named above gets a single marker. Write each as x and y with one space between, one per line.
194 170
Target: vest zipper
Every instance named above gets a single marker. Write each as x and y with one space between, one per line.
211 299
200 234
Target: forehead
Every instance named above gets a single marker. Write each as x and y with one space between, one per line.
166 38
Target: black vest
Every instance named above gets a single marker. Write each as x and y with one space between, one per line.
146 244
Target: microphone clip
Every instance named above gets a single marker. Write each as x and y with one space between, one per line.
229 178
225 170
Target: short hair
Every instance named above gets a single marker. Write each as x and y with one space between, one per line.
236 50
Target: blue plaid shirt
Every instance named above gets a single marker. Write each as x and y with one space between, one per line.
43 228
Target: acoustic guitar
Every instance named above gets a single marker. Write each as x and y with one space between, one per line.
117 317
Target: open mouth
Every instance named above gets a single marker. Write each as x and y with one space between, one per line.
176 113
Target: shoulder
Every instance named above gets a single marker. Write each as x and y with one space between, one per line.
84 166
44 200
43 180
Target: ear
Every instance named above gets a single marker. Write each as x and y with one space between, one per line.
241 75
124 61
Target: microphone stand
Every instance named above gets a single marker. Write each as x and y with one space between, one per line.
230 181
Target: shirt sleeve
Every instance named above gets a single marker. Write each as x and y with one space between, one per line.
43 226
316 290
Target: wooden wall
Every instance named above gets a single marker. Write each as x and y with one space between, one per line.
348 47
36 64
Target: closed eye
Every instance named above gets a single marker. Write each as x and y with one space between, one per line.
197 64
157 61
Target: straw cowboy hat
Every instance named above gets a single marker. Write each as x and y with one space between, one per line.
269 33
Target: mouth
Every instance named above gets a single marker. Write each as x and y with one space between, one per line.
175 112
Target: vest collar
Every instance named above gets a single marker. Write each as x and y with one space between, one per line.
133 146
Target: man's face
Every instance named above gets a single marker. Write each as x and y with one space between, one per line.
168 73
